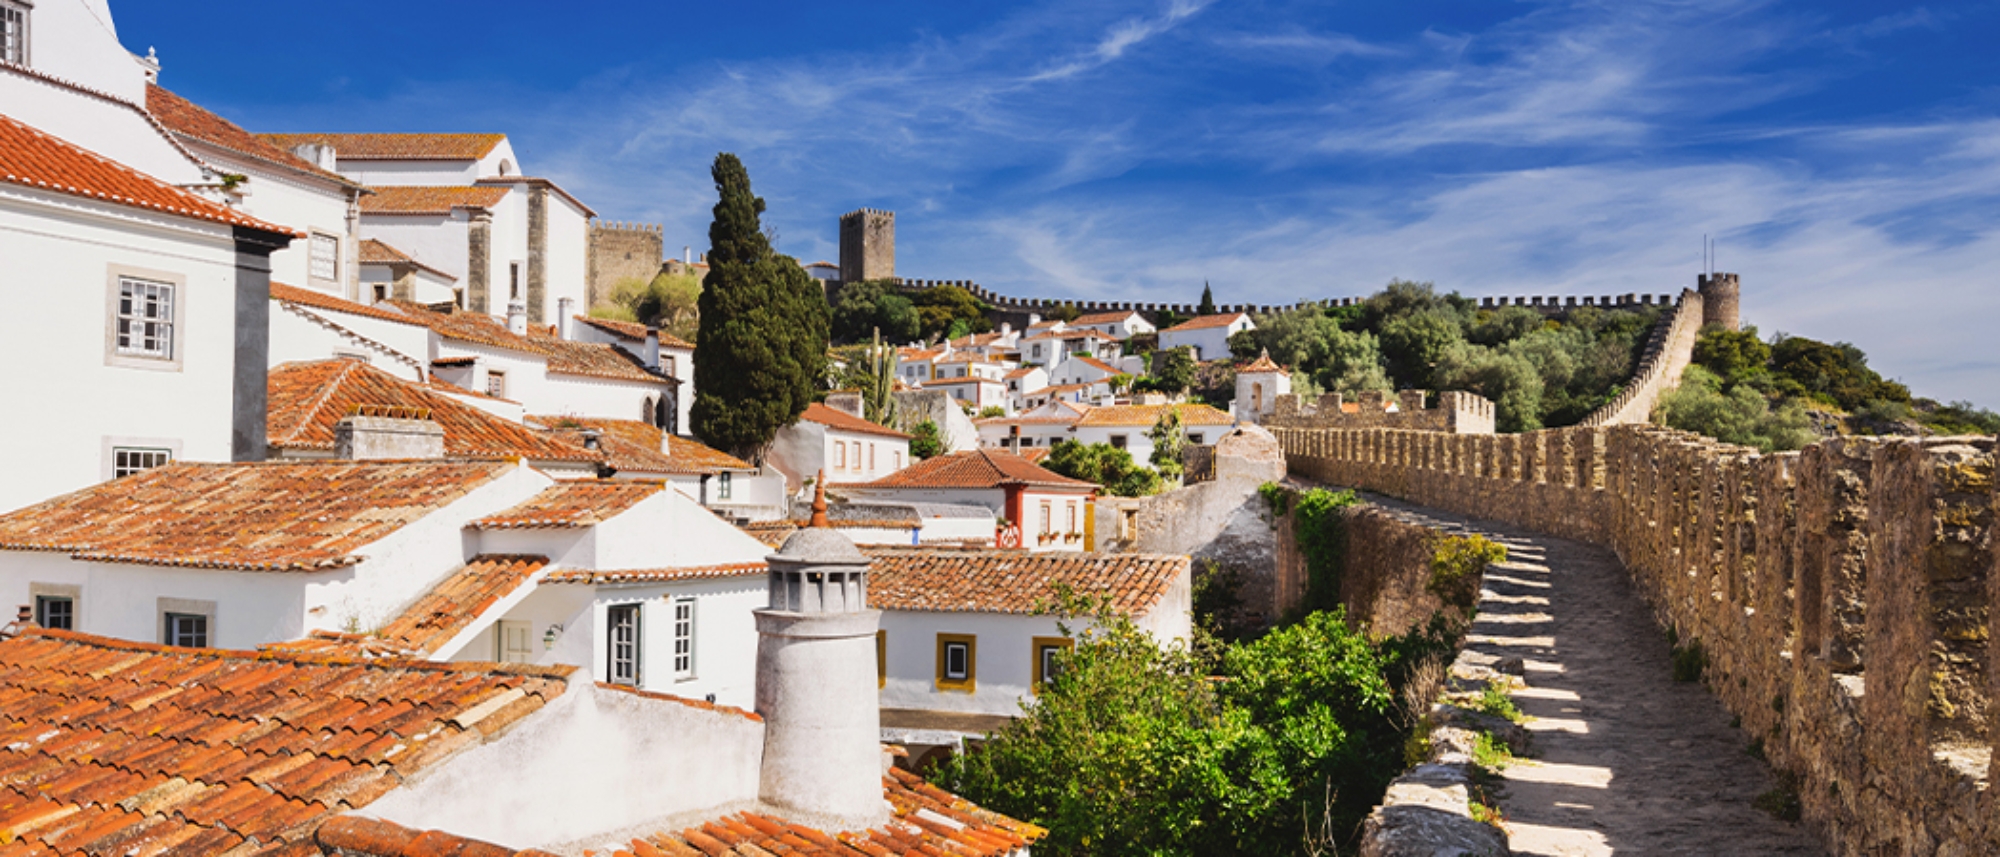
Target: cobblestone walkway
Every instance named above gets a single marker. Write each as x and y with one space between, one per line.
1626 761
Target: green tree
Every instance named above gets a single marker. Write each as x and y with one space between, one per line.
1173 370
1104 464
1734 356
1836 374
1169 441
1207 306
1066 312
670 302
1735 414
926 441
939 306
1244 345
760 353
878 398
1510 380
991 411
871 305
1413 345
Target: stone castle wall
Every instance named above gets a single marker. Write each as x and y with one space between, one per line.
621 251
1457 411
1669 350
1842 594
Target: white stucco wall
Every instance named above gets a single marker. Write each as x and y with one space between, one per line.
122 600
306 204
1210 343
61 256
437 240
296 338
407 173
803 449
620 760
1003 660
567 257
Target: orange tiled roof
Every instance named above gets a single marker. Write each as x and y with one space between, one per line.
628 329
396 147
322 300
658 575
1023 372
416 199
265 516
1207 321
1193 414
595 359
375 252
1097 364
112 747
456 602
819 413
1015 581
307 399
189 119
1074 334
1263 363
571 504
771 533
1034 453
925 820
31 158
1104 318
634 445
977 468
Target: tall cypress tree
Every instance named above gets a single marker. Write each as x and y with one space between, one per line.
760 353
1207 301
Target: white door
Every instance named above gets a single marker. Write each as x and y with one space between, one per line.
516 642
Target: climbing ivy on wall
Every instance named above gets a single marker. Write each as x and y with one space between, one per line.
1321 531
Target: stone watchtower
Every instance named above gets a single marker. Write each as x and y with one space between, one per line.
1719 300
867 245
816 682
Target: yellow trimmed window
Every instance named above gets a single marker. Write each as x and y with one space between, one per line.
957 662
1046 651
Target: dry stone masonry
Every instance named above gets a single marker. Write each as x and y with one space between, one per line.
1841 594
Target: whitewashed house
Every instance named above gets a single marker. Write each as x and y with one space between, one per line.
1208 335
1039 509
1123 324
459 203
963 631
838 443
1083 370
1127 426
1020 382
1040 427
1052 348
540 369
663 352
1258 387
391 274
309 325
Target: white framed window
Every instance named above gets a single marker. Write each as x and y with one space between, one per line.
722 486
145 319
684 638
496 383
1046 518
325 262
622 654
957 661
513 279
1072 518
14 33
188 630
55 611
871 456
126 460
839 453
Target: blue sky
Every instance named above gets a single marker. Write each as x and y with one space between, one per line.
1845 156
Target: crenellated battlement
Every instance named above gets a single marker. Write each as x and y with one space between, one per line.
1842 595
1456 412
607 227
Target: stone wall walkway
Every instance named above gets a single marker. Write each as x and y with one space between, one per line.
1626 761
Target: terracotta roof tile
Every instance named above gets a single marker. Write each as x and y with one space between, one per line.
658 575
456 602
771 533
322 300
415 199
1208 321
1023 372
1097 364
977 468
1263 363
571 504
1066 335
629 329
819 413
396 147
1103 318
307 399
631 445
593 359
1146 415
186 118
374 252
1014 581
32 158
133 748
266 516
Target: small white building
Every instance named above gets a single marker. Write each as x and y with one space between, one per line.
1123 324
1208 335
1039 509
1126 426
1258 387
1052 348
1022 381
1083 370
842 445
544 371
391 274
663 352
963 630
1040 427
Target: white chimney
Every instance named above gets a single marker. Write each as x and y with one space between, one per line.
1034 319
378 432
1006 327
565 321
687 255
517 317
816 683
652 355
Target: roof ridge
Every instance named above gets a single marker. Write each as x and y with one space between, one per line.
301 658
326 392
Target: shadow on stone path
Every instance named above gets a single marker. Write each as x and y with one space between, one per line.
1626 761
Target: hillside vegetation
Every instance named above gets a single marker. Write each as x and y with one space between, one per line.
1539 372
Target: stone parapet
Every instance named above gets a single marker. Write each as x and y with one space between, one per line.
1842 595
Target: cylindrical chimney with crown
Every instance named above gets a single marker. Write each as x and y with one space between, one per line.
1719 294
517 317
816 682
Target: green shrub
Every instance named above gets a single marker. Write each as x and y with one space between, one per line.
1456 565
1495 700
1689 662
1491 753
1321 529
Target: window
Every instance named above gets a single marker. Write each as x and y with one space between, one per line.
871 456
13 33
683 638
1047 654
1194 437
381 292
1045 518
897 459
325 262
55 611
496 383
957 661
189 630
622 621
722 486
1072 518
1038 351
839 454
145 318
513 279
126 461
667 366
515 642
881 658
1118 441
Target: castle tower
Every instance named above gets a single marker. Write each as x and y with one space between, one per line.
1258 387
1719 296
867 245
816 682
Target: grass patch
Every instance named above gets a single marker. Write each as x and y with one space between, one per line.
1487 814
1689 661
1491 753
1494 700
